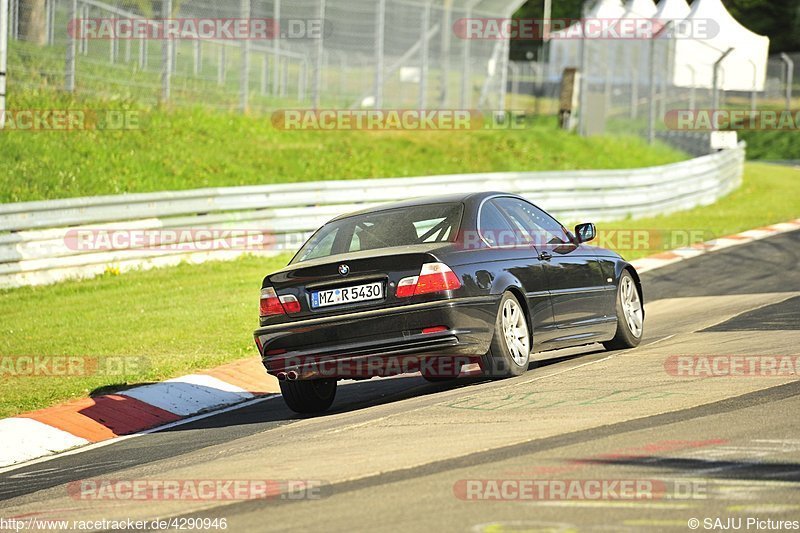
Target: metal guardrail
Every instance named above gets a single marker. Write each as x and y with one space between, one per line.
35 248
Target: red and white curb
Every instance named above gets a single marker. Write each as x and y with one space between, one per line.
681 254
93 420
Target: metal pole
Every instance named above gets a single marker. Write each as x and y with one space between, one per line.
651 119
501 104
444 65
584 85
276 46
166 53
301 81
316 88
85 36
197 56
423 67
715 94
69 64
514 68
264 74
244 83
3 59
142 54
380 22
692 89
221 57
14 16
634 93
789 79
466 75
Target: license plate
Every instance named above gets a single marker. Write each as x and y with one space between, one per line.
346 295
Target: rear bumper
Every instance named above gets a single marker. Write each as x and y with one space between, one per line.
379 342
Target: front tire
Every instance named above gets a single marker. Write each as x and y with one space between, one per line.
630 315
309 396
509 352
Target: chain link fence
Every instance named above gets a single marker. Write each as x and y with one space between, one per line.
400 54
620 94
318 53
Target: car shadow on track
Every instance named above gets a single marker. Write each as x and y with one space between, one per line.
356 395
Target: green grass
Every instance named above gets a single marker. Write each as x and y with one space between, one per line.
191 148
768 195
772 145
197 316
177 319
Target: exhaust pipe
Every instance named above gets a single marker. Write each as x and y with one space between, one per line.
281 376
292 375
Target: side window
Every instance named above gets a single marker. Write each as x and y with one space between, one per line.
322 245
493 226
537 226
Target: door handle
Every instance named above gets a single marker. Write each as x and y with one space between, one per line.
545 256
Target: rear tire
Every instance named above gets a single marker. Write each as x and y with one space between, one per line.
630 315
510 350
309 396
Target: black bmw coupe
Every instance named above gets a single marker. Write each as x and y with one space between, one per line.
434 283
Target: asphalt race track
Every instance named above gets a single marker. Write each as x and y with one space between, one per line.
402 454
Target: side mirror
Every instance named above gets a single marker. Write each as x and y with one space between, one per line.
585 232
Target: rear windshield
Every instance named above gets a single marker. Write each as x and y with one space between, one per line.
402 226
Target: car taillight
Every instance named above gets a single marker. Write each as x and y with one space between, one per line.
434 277
290 303
272 305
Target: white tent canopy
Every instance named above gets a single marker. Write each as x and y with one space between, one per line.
745 69
691 57
672 10
640 9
